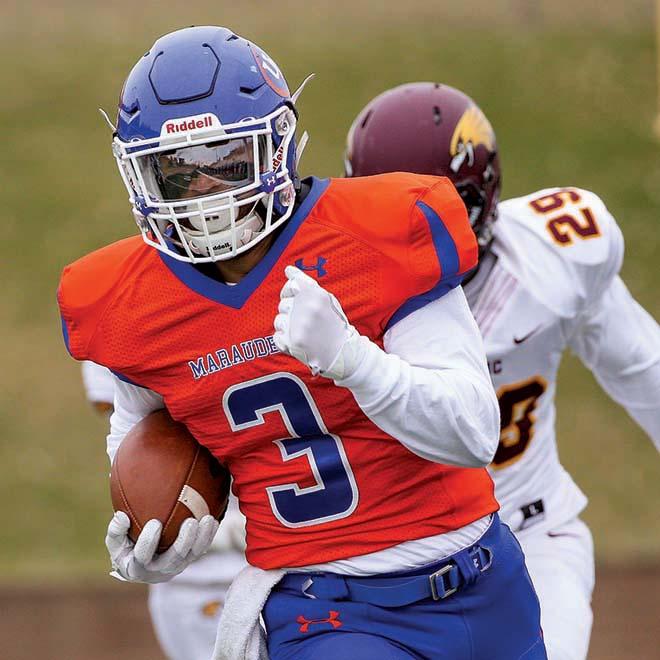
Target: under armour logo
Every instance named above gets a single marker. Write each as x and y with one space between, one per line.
144 209
333 620
268 181
320 262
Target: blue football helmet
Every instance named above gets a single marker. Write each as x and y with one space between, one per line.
205 144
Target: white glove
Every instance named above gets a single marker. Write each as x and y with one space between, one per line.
312 327
139 562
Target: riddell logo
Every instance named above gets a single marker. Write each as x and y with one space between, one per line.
278 157
185 124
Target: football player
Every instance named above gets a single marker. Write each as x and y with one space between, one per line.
313 335
184 611
547 281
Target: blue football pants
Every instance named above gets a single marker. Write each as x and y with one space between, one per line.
495 618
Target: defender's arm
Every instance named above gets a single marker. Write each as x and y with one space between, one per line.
619 341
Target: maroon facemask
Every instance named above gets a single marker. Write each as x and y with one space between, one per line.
428 128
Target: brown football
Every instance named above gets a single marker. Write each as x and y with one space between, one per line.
160 471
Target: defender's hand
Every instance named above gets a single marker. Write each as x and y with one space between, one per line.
139 562
312 327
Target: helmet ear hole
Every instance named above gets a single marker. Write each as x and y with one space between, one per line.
285 122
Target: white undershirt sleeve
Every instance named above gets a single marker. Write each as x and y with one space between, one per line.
620 342
430 388
132 403
98 382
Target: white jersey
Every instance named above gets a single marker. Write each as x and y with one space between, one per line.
551 282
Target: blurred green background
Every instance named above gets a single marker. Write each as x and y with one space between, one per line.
570 88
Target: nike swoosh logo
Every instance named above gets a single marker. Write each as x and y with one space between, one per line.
554 535
520 340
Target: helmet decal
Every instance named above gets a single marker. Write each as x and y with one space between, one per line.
270 71
471 130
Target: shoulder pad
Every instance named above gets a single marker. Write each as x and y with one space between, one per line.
374 206
88 287
391 212
417 224
562 243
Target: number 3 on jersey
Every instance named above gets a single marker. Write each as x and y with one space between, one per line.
334 494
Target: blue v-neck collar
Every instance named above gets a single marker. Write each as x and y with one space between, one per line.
237 295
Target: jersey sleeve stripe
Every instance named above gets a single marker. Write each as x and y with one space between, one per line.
65 334
449 262
126 379
443 241
417 302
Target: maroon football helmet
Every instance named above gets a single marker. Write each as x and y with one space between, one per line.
428 128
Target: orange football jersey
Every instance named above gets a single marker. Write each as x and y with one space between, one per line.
316 479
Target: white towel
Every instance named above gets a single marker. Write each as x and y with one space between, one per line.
240 635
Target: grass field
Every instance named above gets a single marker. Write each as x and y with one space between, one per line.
569 87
